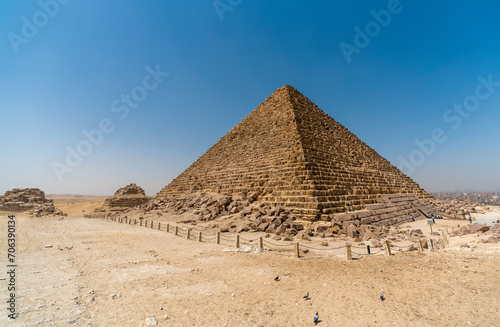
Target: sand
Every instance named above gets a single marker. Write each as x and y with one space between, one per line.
101 273
76 204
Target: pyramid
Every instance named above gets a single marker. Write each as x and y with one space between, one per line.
289 152
124 198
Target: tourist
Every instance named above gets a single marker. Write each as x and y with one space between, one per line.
412 219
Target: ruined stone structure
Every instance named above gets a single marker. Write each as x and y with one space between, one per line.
288 152
30 200
125 198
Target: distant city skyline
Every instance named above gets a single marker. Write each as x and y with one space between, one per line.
97 95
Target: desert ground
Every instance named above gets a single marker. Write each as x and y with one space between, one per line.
72 204
94 272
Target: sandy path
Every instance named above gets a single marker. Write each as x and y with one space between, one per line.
153 273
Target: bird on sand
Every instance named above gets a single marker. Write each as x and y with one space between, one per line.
316 318
277 279
306 297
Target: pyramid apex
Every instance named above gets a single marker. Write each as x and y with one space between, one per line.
288 88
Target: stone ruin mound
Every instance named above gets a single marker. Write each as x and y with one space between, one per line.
125 198
288 153
29 200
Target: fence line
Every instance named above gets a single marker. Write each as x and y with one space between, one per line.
263 244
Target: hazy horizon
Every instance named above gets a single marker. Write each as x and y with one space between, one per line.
98 95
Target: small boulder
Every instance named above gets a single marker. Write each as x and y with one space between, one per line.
477 227
297 226
262 227
493 239
280 229
352 232
270 229
279 209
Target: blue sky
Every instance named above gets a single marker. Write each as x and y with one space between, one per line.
66 65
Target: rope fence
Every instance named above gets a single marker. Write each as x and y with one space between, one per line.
262 244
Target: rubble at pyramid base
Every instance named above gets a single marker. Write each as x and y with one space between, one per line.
241 214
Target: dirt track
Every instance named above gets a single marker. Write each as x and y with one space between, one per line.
153 274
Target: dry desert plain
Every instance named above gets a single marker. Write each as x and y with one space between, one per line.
76 271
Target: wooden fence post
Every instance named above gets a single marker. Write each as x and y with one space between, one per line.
151 224
199 237
261 244
176 230
168 228
159 225
419 242
217 238
295 249
237 241
188 233
388 247
349 252
430 244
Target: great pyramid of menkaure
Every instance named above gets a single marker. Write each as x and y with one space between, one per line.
289 152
